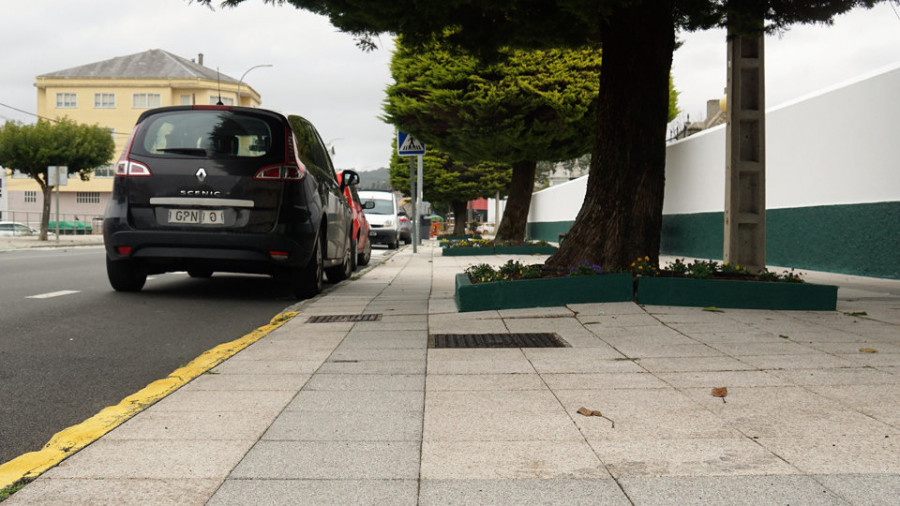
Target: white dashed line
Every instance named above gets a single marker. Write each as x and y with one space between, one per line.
50 295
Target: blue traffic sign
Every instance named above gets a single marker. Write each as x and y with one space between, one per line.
407 145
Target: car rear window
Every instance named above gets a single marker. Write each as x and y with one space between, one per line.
207 134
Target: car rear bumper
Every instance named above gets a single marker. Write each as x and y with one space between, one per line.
382 236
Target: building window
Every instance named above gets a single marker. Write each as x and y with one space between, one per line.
225 100
187 100
145 100
30 197
105 171
104 100
66 101
87 197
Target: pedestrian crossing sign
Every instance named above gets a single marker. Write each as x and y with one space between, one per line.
407 145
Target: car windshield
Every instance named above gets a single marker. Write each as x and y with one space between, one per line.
207 133
381 207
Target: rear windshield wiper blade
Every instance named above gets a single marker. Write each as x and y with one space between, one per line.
184 151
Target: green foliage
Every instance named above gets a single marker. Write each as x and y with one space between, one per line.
709 269
585 268
525 106
510 271
32 148
446 180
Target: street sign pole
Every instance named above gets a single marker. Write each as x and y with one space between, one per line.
407 145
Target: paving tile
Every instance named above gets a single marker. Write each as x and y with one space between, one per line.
114 492
247 382
240 492
689 457
476 460
868 489
493 382
732 379
693 364
525 492
373 367
367 425
371 382
267 402
728 490
839 454
602 381
198 426
334 460
357 400
240 366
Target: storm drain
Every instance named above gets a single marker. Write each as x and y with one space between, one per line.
341 318
526 340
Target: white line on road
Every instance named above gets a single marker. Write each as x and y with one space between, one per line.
50 295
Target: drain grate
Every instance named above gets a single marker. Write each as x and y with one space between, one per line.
340 318
534 340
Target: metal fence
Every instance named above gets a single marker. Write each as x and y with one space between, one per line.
33 219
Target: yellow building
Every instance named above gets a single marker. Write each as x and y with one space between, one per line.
112 94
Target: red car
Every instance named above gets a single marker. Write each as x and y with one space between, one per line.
360 224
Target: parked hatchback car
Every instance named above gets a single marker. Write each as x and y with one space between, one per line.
220 188
383 213
360 223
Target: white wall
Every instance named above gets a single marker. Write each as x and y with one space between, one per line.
838 146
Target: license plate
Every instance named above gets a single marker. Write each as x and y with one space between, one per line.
372 233
197 216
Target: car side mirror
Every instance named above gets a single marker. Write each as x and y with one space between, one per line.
369 204
349 178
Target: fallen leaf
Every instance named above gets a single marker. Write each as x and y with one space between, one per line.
590 412
784 336
868 350
720 392
713 309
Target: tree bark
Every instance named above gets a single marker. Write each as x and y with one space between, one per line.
47 192
515 216
621 217
459 216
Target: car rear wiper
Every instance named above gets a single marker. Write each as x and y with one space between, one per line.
184 151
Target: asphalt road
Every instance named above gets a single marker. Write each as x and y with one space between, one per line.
70 345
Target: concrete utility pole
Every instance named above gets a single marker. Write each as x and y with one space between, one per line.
745 151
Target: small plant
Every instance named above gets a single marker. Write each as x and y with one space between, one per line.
729 268
678 267
481 273
510 271
702 270
585 268
643 267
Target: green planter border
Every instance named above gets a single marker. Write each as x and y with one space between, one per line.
498 250
662 291
542 292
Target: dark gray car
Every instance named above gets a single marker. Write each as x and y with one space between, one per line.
219 188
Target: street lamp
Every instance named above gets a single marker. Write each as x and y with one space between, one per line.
242 80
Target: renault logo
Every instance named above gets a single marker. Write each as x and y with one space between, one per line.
201 174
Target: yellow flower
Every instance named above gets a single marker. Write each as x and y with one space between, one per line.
640 267
647 258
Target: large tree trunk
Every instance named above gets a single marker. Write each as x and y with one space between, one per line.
621 217
47 192
459 216
515 216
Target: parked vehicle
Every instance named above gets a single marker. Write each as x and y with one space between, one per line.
16 229
384 217
234 189
405 227
69 227
360 223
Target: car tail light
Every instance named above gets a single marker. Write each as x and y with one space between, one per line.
279 173
279 255
128 168
123 250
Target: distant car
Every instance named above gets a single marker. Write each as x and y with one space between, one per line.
384 217
221 188
405 231
16 229
360 223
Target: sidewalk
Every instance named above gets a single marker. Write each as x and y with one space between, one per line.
366 413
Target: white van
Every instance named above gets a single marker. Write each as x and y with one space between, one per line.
384 217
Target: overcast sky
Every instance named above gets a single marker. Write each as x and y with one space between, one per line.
319 72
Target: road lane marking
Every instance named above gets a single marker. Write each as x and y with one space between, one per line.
50 295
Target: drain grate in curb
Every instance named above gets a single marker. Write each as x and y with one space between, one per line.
341 318
522 340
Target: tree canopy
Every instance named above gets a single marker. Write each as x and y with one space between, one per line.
621 217
30 149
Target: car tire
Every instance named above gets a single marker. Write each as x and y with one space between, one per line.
125 275
307 281
364 257
394 244
343 270
200 273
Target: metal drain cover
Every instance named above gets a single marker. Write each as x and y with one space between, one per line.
524 340
340 318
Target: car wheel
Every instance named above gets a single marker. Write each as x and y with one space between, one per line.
306 282
394 244
125 275
341 272
201 273
364 257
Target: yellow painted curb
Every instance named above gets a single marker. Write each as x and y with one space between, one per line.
68 441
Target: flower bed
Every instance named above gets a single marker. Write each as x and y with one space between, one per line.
727 293
542 292
473 247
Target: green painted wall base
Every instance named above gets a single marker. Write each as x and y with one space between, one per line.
857 239
660 291
546 292
499 250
